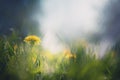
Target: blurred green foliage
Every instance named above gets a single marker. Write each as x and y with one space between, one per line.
20 61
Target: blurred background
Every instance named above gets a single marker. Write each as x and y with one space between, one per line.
20 15
17 15
62 21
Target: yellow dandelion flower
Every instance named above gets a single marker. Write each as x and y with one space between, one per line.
68 54
32 39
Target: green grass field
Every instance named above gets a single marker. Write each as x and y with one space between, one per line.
22 60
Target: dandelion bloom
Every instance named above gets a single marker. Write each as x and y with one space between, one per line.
68 54
32 39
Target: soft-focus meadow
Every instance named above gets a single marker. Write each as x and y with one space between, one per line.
26 59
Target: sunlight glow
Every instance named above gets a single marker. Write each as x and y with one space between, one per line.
51 43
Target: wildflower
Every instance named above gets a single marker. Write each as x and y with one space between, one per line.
32 39
68 54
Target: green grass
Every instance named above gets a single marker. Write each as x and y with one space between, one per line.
21 61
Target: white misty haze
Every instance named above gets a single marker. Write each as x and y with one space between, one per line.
70 18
